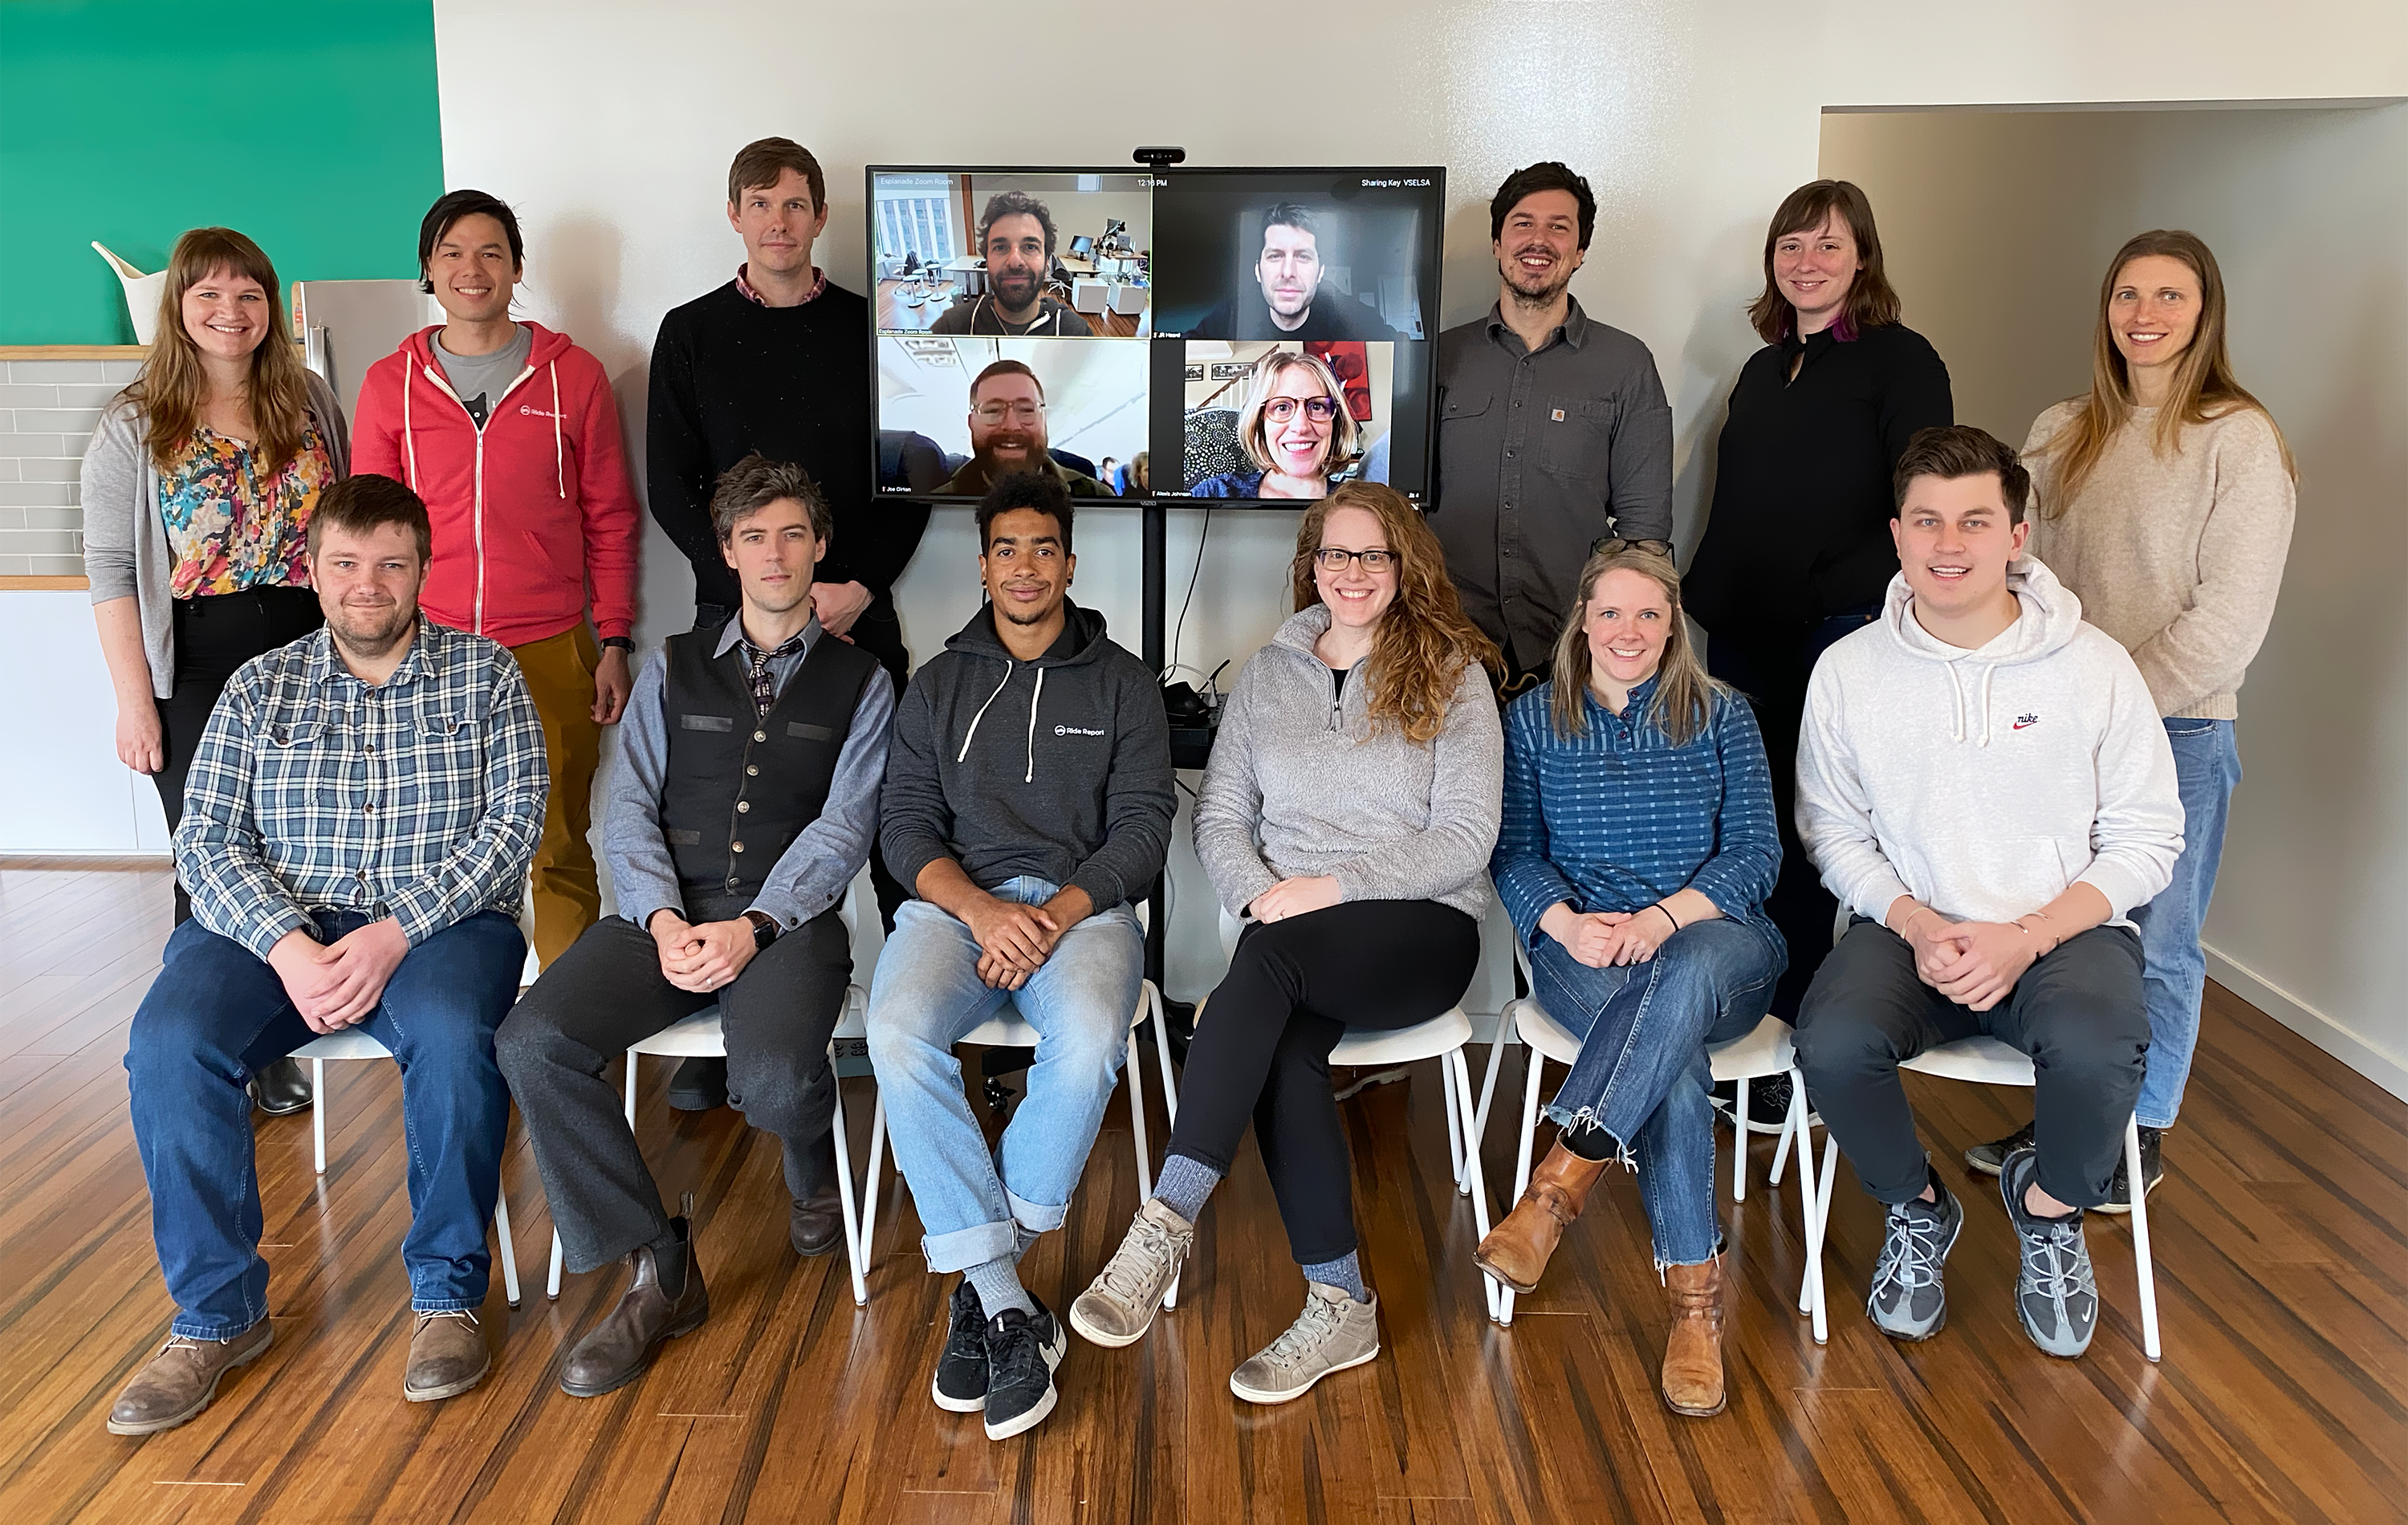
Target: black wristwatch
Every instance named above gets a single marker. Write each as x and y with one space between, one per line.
625 643
764 928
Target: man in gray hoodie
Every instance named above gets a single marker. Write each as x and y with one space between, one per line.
1983 782
1028 801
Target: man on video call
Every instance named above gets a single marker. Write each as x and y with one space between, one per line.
1015 235
1008 434
1288 270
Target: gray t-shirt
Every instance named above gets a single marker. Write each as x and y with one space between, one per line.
480 380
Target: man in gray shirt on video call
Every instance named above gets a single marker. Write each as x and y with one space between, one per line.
1554 432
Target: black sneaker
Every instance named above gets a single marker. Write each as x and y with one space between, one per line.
1988 1158
1767 1103
1021 1354
960 1387
2153 1172
2057 1296
1908 1300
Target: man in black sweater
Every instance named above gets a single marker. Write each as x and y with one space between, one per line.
774 362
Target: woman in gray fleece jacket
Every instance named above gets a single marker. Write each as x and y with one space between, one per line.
1348 816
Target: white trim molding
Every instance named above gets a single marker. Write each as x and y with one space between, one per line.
2376 1063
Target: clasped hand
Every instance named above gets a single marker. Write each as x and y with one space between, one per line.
1600 938
705 957
1973 963
1015 939
335 985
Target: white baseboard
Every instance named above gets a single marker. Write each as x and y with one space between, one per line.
2370 1059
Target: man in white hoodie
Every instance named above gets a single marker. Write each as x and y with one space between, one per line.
1983 782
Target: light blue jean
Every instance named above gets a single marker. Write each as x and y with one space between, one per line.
924 996
2207 766
1642 1074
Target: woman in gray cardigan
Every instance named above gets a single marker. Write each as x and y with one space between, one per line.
197 489
1347 815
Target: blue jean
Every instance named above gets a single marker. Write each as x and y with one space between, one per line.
2207 766
217 1013
925 995
1642 1074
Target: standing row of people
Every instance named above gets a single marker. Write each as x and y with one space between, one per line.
1365 787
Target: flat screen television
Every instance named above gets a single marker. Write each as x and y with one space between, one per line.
1248 335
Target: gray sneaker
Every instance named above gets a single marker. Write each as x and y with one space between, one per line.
2057 1296
1119 1305
1908 1300
1333 1334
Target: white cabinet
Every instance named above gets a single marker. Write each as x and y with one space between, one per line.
62 788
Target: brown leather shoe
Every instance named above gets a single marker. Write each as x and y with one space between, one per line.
447 1355
818 1224
1693 1356
179 1381
1517 1251
620 1348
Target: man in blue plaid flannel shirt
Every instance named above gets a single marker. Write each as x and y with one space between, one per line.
357 828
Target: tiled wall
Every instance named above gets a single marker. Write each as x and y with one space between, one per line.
48 408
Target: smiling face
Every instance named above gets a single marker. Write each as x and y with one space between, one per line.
472 271
2153 311
1815 267
1540 247
1955 544
1629 619
1299 418
774 554
1016 262
778 223
227 315
1289 269
367 585
1356 595
1008 423
1026 570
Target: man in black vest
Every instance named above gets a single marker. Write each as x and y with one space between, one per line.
744 802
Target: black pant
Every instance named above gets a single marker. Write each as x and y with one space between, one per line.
215 634
606 992
1772 674
879 631
2079 1013
1262 1046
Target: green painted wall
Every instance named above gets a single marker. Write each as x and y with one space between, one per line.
311 127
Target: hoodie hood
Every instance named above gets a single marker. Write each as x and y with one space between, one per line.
1082 641
2050 616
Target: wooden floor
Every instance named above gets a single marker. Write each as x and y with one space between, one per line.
2282 1235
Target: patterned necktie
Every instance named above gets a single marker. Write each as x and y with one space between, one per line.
765 688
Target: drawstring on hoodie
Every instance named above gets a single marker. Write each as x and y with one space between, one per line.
559 470
1029 776
1957 690
408 440
968 734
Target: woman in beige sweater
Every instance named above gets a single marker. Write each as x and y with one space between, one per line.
2164 501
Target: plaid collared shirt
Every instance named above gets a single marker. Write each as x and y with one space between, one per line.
744 286
421 798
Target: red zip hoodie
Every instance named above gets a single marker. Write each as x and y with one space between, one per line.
527 515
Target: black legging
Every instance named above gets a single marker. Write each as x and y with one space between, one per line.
216 634
1262 1047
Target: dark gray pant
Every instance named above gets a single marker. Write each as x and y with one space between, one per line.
2079 1013
606 992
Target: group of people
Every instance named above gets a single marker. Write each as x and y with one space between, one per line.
1982 698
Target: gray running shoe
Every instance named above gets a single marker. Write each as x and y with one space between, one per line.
2056 1297
1333 1334
1907 1300
1119 1305
1987 1158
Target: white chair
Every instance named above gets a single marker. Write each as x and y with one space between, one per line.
357 1043
1768 1050
1986 1061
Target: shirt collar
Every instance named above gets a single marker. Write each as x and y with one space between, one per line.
1640 693
1572 330
733 632
744 287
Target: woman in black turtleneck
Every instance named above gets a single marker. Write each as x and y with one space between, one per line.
1798 551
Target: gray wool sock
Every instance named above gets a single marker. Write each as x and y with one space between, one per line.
999 1287
1184 1184
1345 1274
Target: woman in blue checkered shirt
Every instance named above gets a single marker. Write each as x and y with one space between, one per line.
1637 847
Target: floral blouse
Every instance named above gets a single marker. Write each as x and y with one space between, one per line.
233 526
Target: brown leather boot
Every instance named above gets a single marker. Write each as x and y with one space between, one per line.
1517 1251
1693 1356
447 1355
817 1224
179 1381
621 1348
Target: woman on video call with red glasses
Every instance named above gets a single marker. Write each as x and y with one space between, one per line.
1295 430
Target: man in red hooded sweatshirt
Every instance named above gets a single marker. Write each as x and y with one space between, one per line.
510 433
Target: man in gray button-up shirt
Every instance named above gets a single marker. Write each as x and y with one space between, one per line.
1554 432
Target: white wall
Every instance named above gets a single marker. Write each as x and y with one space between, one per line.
609 126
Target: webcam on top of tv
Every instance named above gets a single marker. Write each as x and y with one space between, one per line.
1161 157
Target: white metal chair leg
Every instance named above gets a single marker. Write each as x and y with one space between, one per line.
2143 1263
1162 1054
631 1088
845 1202
1459 1072
1136 1120
1793 1127
1811 1295
1456 1120
1739 1146
509 1251
869 1182
1497 1047
1505 1295
317 1110
552 1281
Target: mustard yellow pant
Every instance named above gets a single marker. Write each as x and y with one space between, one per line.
559 672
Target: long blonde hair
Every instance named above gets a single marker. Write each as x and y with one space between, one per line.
173 387
1425 640
1344 446
1685 696
2204 387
